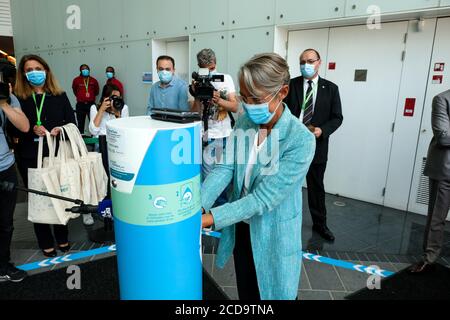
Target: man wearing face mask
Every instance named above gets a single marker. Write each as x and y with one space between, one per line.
112 80
316 102
170 92
86 89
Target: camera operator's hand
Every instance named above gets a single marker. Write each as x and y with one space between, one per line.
216 98
39 131
106 104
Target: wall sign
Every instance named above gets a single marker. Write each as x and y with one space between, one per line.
439 67
410 105
437 79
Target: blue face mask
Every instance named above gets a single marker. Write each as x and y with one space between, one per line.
259 113
36 78
307 70
85 72
165 76
110 75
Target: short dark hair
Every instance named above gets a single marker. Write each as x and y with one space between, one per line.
165 58
111 68
84 65
314 50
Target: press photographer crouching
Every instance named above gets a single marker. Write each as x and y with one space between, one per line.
217 110
111 106
10 111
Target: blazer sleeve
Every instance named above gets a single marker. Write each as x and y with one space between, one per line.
440 122
69 114
293 167
291 98
336 117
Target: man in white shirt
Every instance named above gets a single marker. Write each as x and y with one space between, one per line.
222 105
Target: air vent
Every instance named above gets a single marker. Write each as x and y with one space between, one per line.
423 193
5 18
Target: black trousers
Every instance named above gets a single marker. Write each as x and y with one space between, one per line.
45 237
438 207
83 111
316 194
43 231
247 283
7 207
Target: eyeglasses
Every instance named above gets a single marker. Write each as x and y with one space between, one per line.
250 100
310 61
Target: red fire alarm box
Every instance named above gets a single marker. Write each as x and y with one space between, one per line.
332 66
410 106
437 79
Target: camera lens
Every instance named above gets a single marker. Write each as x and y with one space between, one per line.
117 103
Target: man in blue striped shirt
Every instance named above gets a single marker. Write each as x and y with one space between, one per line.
170 92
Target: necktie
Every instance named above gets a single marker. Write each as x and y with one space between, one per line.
309 110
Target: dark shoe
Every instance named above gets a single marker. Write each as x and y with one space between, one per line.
324 232
50 254
421 267
10 273
64 249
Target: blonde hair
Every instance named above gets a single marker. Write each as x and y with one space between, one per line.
24 90
265 73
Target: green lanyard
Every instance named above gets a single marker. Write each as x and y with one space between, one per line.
309 97
39 111
86 84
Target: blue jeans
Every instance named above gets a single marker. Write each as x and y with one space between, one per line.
212 154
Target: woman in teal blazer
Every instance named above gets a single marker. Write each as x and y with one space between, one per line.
266 160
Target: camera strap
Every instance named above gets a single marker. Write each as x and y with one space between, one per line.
39 110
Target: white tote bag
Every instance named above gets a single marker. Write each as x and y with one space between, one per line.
42 209
94 179
69 172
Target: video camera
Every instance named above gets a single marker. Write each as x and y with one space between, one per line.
117 103
203 88
7 72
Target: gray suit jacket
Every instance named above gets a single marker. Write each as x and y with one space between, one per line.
438 161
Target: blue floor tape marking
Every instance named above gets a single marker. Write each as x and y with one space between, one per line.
333 262
66 258
103 250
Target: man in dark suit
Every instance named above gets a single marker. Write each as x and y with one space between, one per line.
437 169
316 102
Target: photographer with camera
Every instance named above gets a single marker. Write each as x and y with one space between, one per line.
218 109
111 106
170 92
10 111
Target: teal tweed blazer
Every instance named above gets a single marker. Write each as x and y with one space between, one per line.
273 205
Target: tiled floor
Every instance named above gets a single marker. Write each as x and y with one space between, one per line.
366 234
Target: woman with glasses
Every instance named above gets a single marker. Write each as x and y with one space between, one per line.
266 161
